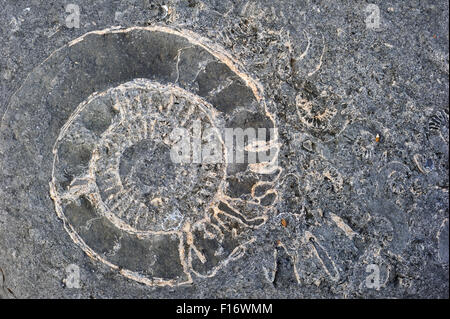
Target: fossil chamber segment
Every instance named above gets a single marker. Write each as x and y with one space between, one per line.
100 113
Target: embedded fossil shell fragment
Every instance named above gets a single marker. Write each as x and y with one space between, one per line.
323 115
439 119
104 106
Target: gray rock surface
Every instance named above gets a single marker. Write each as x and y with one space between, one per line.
356 207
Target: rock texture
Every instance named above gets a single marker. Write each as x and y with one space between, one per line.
355 205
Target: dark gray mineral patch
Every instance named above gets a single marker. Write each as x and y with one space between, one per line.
116 179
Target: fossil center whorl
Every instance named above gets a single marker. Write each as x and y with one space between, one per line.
139 185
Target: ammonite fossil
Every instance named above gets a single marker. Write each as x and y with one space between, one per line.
106 106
